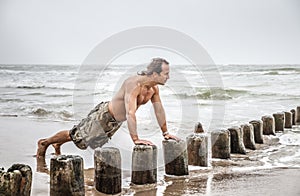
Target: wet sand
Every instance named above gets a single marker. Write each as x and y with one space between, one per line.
18 145
273 182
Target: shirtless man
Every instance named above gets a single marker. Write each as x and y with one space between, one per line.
106 118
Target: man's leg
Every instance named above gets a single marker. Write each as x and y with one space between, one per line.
60 138
56 146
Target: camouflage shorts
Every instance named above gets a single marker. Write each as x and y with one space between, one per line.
96 129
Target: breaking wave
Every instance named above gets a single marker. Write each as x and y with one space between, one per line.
7 100
272 73
36 86
279 70
46 113
214 93
29 87
290 138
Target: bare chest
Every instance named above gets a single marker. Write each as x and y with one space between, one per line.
145 95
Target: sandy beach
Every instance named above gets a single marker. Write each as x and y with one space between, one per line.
242 175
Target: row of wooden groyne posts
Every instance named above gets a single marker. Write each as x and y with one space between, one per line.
66 171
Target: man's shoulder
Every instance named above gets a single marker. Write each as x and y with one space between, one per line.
132 80
131 83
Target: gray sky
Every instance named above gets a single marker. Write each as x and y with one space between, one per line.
232 31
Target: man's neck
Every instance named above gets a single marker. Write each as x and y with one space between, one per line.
147 82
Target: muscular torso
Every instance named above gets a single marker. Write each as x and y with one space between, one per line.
117 104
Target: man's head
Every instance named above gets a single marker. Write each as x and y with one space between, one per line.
159 69
154 67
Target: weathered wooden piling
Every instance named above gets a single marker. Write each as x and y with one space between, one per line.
66 175
297 116
288 122
108 177
236 140
198 128
220 142
248 136
144 164
16 181
279 121
10 183
258 131
197 148
268 125
175 157
293 116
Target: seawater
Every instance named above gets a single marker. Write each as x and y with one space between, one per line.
244 91
218 97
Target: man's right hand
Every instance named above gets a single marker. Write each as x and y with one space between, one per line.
143 142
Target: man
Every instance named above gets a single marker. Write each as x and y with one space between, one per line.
106 118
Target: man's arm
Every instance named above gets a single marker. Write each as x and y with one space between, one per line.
160 114
131 107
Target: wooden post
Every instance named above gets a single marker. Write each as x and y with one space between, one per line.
144 164
175 157
197 148
288 122
16 181
108 177
268 125
10 183
198 128
248 136
236 140
258 131
297 116
293 116
279 121
220 142
66 176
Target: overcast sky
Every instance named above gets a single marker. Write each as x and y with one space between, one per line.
231 31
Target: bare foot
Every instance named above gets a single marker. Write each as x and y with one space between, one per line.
41 151
56 146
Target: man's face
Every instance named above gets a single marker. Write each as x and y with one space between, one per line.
164 74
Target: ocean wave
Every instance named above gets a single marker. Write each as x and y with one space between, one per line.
214 93
36 67
29 86
46 94
34 94
41 112
279 69
59 95
237 70
272 73
8 115
46 113
275 95
36 86
287 69
65 114
10 100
